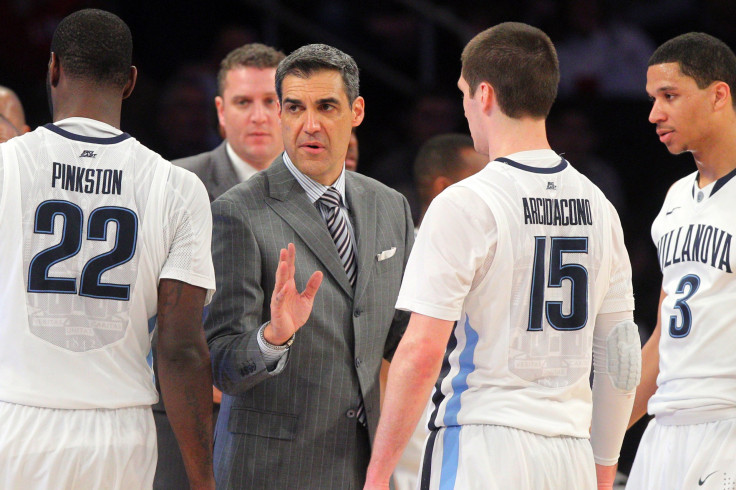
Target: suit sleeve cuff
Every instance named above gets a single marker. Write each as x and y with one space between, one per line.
271 357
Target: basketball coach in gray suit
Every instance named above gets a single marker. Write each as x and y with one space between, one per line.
300 408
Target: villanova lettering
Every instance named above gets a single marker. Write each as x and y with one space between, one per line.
87 180
696 243
558 212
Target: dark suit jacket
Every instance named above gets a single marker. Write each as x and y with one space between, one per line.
213 168
295 427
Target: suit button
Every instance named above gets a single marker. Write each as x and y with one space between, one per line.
357 313
357 362
350 413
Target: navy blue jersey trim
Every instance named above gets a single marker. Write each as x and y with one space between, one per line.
723 181
537 170
427 462
87 139
438 396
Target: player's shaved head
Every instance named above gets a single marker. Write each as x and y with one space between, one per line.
12 109
7 130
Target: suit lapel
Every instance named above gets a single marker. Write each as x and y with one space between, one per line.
290 202
223 174
363 212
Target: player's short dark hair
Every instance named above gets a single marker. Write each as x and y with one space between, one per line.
701 57
255 55
440 155
312 58
520 63
94 45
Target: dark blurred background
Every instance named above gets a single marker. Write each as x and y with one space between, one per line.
408 52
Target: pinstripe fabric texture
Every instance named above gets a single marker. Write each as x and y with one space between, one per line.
296 427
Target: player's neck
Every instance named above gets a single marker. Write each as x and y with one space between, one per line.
718 156
515 135
92 104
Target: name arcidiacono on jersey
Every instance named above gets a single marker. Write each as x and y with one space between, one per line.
86 180
556 212
696 243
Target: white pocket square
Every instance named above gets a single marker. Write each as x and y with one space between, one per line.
386 254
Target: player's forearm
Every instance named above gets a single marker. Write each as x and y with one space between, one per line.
649 368
407 391
185 376
413 372
617 365
186 386
648 385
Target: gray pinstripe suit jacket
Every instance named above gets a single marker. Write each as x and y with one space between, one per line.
295 427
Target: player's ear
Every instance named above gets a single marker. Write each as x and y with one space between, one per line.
487 96
721 95
132 78
440 184
54 70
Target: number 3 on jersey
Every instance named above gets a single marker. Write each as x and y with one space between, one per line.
71 243
693 283
575 273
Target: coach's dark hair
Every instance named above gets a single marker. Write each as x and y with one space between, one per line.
312 58
520 63
440 155
94 45
700 56
255 55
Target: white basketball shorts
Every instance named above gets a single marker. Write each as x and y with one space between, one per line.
491 457
686 456
46 448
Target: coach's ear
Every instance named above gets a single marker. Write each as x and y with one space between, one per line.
132 77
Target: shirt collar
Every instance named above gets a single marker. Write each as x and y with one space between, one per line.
243 169
313 188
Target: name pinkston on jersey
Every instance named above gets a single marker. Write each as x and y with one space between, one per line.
556 212
86 180
696 243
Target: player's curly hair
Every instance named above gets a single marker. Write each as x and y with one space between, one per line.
95 46
701 57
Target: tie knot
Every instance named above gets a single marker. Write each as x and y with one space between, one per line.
331 198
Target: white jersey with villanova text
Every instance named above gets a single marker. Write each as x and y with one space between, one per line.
523 256
694 235
91 220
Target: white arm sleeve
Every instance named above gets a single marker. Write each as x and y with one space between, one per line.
617 368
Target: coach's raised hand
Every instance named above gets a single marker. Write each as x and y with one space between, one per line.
289 308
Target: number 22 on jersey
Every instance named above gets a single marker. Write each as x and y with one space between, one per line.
91 284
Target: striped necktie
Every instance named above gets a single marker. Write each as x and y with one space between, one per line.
338 226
